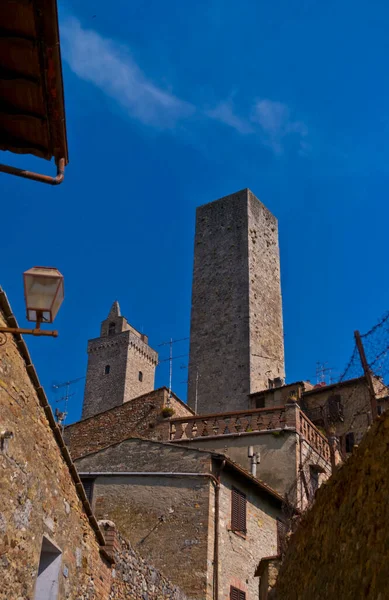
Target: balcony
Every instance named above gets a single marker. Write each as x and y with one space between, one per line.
259 420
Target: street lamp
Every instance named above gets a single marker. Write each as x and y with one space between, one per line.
43 293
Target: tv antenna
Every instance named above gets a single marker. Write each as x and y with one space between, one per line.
61 415
171 358
321 373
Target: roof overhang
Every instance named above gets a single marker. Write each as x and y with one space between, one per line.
32 110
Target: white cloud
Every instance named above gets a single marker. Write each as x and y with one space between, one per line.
277 125
225 114
110 67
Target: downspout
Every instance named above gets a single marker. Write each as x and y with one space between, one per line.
216 541
37 176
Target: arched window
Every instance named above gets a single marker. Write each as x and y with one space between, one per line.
111 328
140 376
107 369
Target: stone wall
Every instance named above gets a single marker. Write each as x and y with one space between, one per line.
42 502
341 547
164 517
133 577
236 339
141 417
239 556
38 496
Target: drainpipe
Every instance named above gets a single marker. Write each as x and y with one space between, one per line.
216 541
37 176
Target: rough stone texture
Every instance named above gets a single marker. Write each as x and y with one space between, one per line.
127 354
164 517
239 556
341 548
236 340
268 573
38 497
135 579
157 513
140 417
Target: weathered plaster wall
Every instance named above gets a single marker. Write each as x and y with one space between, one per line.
278 466
341 547
141 417
239 556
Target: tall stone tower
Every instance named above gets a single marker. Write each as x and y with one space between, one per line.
121 365
236 337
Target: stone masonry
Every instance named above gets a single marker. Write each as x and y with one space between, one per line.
236 339
43 504
121 365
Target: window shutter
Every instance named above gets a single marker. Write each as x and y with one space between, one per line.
236 594
238 512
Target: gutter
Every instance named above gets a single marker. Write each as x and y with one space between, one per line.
37 176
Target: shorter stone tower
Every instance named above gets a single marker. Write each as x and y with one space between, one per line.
121 365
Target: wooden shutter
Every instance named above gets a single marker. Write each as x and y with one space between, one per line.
236 594
238 511
88 487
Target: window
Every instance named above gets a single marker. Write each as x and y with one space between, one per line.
260 402
335 408
350 441
140 376
107 369
111 328
236 594
238 511
48 571
87 482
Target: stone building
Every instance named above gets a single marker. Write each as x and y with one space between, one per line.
121 365
198 517
51 545
236 335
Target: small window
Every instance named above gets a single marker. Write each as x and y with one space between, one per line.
260 402
236 594
111 328
87 482
238 511
107 369
140 376
350 441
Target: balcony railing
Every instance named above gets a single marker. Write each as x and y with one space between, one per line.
249 421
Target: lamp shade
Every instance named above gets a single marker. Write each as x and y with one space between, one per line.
43 292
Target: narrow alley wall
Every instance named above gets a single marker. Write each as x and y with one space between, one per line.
341 548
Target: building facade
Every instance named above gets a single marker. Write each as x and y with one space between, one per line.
236 336
200 518
121 365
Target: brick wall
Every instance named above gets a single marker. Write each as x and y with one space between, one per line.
341 548
141 417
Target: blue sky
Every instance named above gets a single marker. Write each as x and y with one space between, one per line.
173 104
